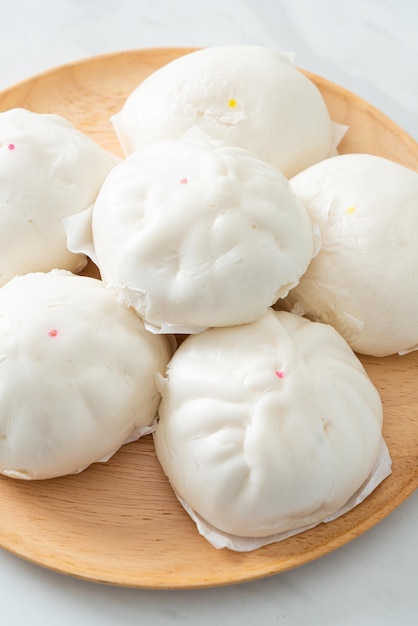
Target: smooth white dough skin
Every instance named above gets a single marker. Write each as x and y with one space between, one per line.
194 233
77 374
364 281
48 170
267 427
248 96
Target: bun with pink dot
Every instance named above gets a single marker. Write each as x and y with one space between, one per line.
49 170
71 359
268 427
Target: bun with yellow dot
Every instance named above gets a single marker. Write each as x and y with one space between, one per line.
247 96
364 280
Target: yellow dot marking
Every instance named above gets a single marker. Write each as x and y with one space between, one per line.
351 210
232 103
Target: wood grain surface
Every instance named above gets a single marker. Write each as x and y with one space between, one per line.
119 522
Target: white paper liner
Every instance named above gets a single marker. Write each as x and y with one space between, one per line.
134 436
79 234
218 539
168 329
290 56
408 350
338 131
137 433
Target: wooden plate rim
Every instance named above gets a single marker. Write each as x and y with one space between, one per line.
409 486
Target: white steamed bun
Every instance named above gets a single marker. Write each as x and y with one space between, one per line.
194 233
77 374
248 96
48 170
364 281
267 427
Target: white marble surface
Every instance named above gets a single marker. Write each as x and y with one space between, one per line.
367 46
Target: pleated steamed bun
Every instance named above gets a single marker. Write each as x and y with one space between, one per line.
364 281
247 96
267 427
77 374
193 233
48 170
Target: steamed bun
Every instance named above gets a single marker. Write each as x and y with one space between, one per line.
194 233
247 96
267 427
48 170
77 374
364 281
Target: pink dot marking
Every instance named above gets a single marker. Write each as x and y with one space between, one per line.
53 332
11 146
279 374
184 181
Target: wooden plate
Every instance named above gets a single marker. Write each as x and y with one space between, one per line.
119 522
